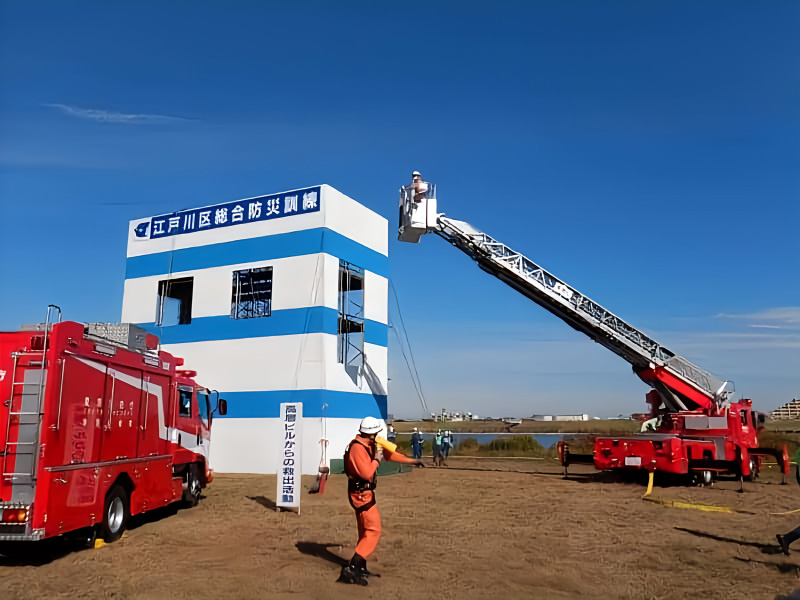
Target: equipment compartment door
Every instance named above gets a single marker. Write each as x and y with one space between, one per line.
79 411
152 416
120 420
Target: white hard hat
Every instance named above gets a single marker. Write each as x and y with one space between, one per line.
370 425
416 174
415 428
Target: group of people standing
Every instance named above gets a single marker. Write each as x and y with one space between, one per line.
442 444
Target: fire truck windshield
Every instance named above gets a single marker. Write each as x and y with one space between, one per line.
202 405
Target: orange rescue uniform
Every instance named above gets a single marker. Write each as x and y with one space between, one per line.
361 465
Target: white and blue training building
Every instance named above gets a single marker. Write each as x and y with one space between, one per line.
279 298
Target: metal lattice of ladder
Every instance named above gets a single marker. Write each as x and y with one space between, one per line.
576 309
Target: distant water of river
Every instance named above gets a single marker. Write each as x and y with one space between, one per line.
546 440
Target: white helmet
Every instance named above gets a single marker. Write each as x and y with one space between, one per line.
370 425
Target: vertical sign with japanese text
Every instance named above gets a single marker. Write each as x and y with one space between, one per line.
290 465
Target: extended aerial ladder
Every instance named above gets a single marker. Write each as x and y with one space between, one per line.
684 389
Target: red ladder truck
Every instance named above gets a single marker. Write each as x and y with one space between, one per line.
96 425
699 429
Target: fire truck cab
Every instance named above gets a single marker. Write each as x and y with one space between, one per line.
96 425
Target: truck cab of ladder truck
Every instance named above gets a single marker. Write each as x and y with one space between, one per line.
418 214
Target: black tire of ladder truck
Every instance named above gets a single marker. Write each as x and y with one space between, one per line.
116 512
194 488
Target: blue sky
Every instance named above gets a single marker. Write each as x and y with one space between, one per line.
645 152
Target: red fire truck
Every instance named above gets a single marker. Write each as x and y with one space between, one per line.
698 426
96 425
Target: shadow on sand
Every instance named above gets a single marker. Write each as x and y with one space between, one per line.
264 501
765 548
36 554
321 551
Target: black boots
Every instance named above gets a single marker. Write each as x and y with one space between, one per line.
351 575
784 543
355 571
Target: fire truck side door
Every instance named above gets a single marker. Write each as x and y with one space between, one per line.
204 411
120 421
80 411
187 424
153 415
73 492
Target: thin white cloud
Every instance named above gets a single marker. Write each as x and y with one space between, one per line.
786 317
106 116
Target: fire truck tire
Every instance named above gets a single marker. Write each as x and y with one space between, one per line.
703 478
753 469
191 495
115 514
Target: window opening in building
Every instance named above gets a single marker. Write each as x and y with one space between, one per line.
351 317
185 402
251 296
174 302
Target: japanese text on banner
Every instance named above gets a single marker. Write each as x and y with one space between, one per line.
238 212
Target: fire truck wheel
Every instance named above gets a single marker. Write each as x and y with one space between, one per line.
115 514
83 538
703 478
191 495
753 469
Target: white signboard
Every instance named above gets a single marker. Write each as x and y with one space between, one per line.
290 464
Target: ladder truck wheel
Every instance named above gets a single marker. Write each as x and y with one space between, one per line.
191 495
115 514
703 478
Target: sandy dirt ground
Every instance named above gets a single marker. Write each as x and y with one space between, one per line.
481 528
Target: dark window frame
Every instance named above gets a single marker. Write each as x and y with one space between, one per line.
251 293
182 391
350 332
175 289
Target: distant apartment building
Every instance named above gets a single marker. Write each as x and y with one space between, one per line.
583 417
790 410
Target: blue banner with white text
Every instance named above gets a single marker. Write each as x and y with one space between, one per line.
252 210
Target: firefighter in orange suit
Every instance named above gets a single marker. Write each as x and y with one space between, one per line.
361 460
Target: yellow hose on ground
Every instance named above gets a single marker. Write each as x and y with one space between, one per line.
649 491
692 505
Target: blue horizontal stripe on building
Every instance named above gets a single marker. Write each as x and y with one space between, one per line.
270 247
293 321
337 405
